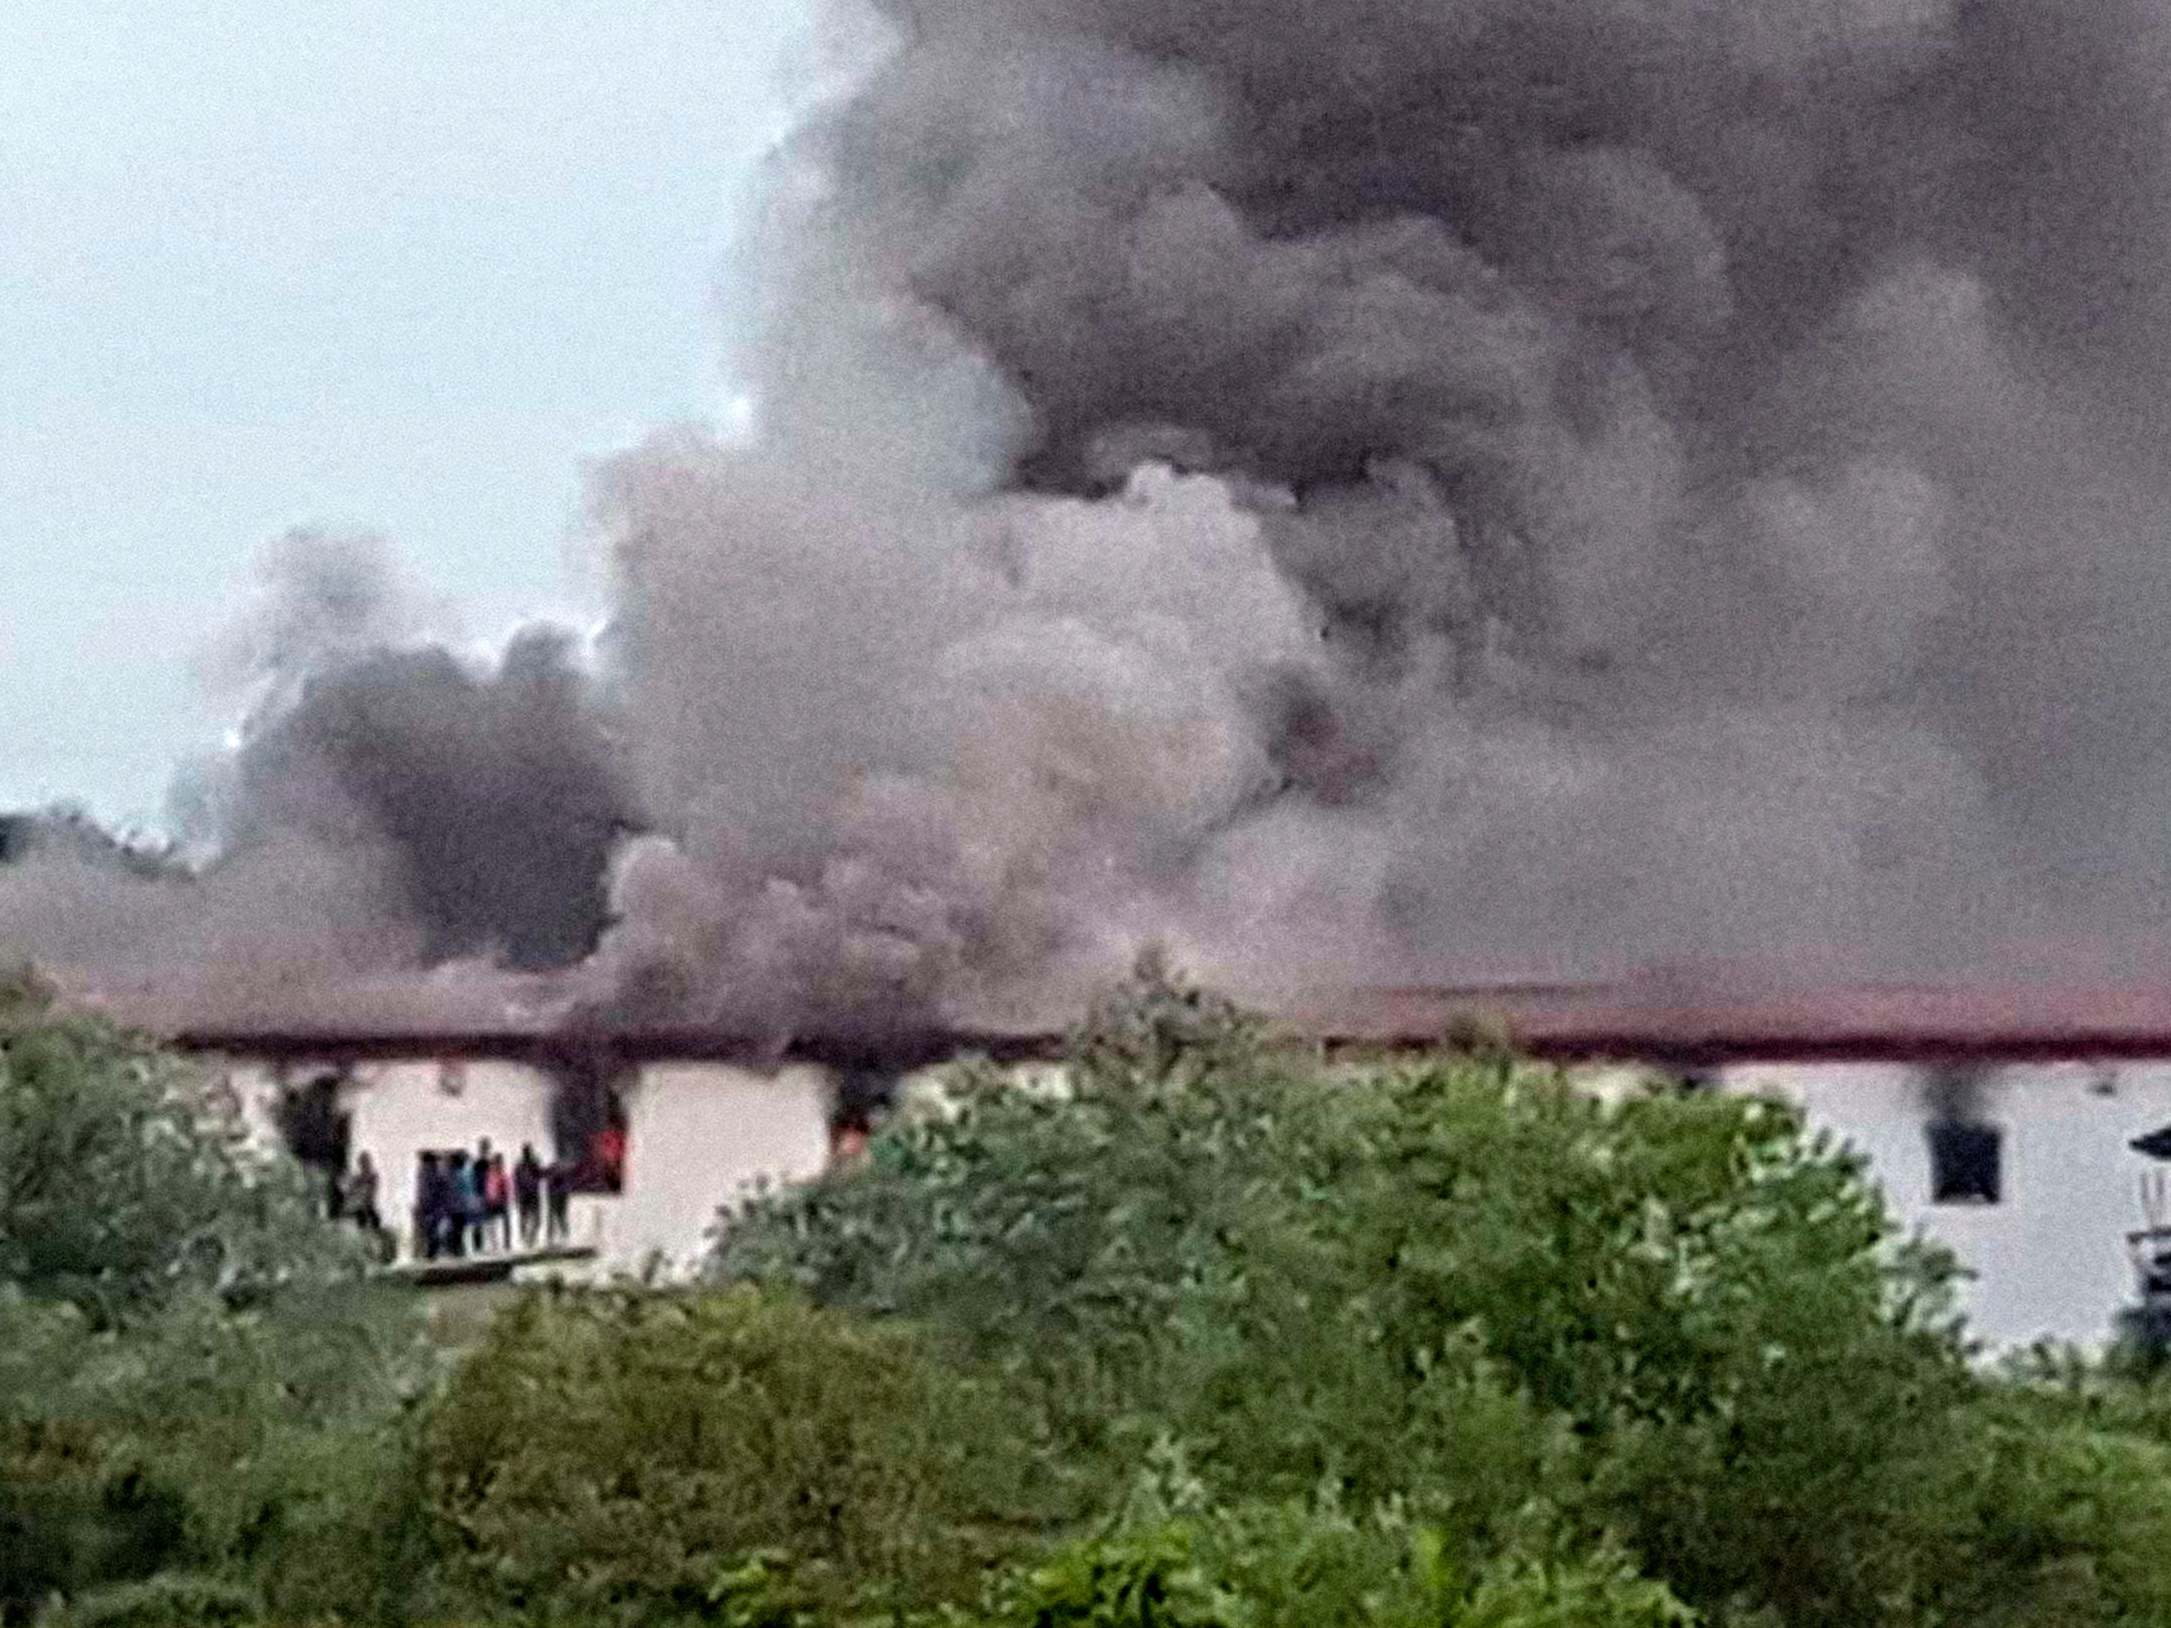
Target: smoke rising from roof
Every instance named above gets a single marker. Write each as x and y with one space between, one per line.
1365 490
387 807
1956 1095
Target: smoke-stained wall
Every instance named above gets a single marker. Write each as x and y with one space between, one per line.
1351 489
700 1135
2049 1258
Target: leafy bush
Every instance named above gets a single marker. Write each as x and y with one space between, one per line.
125 1182
1206 1333
1676 1319
180 1601
1292 1567
192 1375
633 1450
2065 1471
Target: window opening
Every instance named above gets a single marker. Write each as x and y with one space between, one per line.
1966 1162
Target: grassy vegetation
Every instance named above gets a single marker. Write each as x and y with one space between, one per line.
1207 1340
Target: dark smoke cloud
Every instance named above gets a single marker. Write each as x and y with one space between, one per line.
389 807
493 794
1359 489
1712 444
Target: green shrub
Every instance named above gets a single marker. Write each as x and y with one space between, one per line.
631 1450
1679 1321
1297 1567
2070 1520
192 1374
208 1440
124 1181
1215 1337
65 1527
179 1601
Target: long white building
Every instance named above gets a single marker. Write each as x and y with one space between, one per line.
2044 1228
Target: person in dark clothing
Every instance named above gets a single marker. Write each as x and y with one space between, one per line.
361 1196
478 1199
478 1202
558 1184
458 1192
528 1194
429 1208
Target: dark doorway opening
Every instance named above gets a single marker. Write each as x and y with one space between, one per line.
864 1094
318 1132
589 1128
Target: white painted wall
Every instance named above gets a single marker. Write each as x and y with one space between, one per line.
699 1134
2050 1257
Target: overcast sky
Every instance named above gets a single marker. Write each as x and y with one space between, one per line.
385 263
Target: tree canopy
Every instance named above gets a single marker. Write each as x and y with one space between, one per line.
194 1374
1199 1332
1674 1326
126 1181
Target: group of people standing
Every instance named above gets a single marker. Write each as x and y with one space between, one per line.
466 1204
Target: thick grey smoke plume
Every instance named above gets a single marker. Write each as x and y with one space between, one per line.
1351 489
1404 489
388 807
493 796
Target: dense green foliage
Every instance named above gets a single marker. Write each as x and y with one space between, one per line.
193 1375
124 1183
1673 1323
621 1452
1204 1334
1263 1566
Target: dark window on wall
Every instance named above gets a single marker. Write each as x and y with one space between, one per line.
1966 1162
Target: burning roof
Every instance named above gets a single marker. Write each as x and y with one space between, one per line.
1913 1024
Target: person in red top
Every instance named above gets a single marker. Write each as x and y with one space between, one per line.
848 1142
610 1150
497 1202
